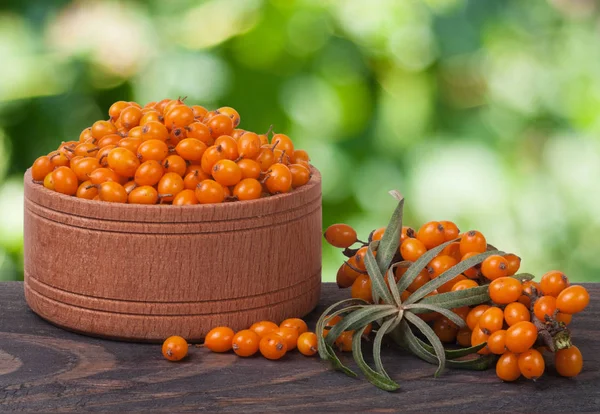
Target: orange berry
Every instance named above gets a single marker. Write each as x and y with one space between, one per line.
210 192
496 342
445 330
516 312
290 336
451 230
411 249
219 339
494 266
307 344
340 235
545 305
514 263
272 346
472 241
175 348
439 265
505 290
569 361
65 181
169 186
245 343
247 189
553 282
452 250
431 234
507 367
227 173
263 328
123 162
179 116
300 175
463 337
153 149
475 314
521 336
531 364
572 300
144 194
185 198
112 192
295 323
278 179
491 320
464 284
478 337
361 288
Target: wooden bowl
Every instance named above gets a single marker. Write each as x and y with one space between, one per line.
143 273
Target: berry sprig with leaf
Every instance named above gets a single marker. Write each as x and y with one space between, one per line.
423 289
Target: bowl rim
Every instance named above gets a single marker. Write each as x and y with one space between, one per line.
38 194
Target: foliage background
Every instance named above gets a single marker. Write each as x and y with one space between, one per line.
482 112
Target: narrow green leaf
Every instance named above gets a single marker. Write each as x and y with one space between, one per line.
448 275
524 277
405 337
378 285
454 353
390 241
383 329
476 364
391 282
431 337
458 298
414 270
446 312
374 377
358 319
337 364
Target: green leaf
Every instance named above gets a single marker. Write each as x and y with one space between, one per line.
359 319
414 270
476 364
431 337
374 377
524 277
391 282
457 299
448 275
405 337
378 285
383 329
390 241
447 313
454 353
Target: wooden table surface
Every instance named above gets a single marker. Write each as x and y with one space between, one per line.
43 368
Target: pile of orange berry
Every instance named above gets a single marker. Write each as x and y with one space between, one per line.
519 321
170 153
271 340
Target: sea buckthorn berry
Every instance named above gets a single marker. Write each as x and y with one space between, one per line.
175 348
143 195
307 344
153 149
172 104
175 164
439 265
411 249
123 162
86 135
248 145
531 364
447 287
111 139
169 186
49 182
102 128
282 157
282 142
266 157
154 130
514 263
226 173
210 158
289 335
68 148
572 300
185 198
477 338
464 284
445 330
150 115
451 230
87 149
360 258
102 175
431 234
361 288
452 250
238 132
102 155
377 234
568 361
201 132
115 109
405 295
496 342
228 146
346 274
300 155
160 106
263 328
564 318
219 339
199 111
250 168
130 117
344 341
87 190
516 312
41 168
178 116
463 312
295 323
135 132
507 367
132 144
505 290
231 113
129 186
149 173
494 266
553 282
521 336
472 272
421 279
340 235
84 167
112 192
220 125
65 181
546 305
527 291
191 149
463 337
407 233
491 320
210 192
272 346
247 189
472 241
245 343
475 314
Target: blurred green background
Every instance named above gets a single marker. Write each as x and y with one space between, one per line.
482 112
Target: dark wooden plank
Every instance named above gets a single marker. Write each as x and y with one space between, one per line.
43 368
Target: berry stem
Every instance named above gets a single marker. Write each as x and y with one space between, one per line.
362 272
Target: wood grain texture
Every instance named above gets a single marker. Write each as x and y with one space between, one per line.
140 273
43 368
